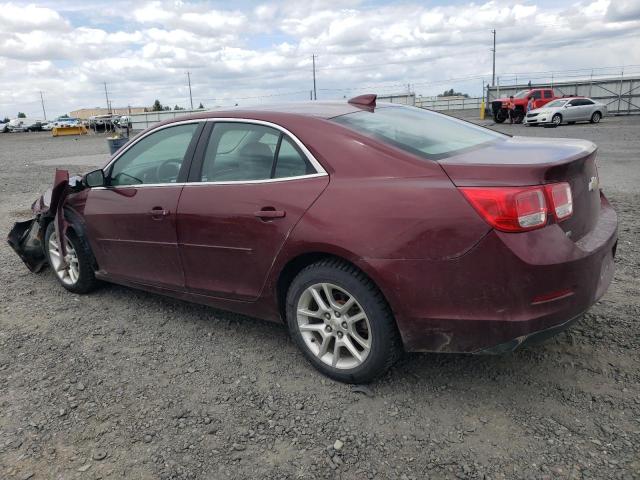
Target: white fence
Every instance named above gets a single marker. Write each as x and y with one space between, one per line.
140 121
443 103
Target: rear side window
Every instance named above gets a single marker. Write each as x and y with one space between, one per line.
290 162
421 132
244 152
548 94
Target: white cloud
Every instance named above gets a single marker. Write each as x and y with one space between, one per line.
143 53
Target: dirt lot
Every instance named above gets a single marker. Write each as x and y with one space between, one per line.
125 384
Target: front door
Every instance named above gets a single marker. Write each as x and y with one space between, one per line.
254 185
132 220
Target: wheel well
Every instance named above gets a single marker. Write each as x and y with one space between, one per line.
597 111
296 265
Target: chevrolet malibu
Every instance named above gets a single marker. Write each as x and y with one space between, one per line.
369 229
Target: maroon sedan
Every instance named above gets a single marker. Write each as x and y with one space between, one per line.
369 229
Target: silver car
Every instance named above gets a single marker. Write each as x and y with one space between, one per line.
567 110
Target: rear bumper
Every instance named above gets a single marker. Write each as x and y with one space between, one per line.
498 292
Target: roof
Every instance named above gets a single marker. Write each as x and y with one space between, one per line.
285 113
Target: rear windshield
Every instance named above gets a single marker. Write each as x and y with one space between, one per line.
421 132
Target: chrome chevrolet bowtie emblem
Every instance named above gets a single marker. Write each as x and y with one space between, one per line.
593 184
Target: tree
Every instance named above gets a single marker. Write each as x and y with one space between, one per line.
200 106
166 108
452 93
21 115
157 106
6 120
178 108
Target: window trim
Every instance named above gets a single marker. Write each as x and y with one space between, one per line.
320 171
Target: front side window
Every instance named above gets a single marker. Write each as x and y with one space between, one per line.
245 152
548 94
421 132
537 94
157 158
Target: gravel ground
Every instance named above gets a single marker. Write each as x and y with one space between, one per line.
125 384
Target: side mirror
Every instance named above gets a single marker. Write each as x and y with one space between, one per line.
94 179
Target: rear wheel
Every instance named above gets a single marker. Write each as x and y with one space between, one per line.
341 322
518 116
74 270
556 119
595 118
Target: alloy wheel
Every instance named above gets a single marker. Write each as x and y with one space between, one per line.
557 119
69 270
334 326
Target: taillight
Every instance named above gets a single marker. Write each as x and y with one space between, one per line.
518 209
560 196
510 209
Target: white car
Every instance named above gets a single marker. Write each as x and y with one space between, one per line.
566 110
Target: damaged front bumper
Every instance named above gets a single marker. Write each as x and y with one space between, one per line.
27 240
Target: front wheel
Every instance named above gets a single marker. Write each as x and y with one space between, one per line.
595 118
341 322
75 270
499 116
556 119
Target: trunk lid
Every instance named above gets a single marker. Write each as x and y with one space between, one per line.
520 161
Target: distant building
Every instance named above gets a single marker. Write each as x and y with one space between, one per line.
85 113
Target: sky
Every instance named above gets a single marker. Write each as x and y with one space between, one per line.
245 52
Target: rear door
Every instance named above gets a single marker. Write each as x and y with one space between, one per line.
250 184
132 220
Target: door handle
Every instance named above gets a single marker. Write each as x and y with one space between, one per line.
158 212
269 212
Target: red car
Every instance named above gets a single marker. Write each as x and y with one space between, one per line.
369 229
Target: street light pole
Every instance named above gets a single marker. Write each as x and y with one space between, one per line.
313 58
493 74
42 101
190 96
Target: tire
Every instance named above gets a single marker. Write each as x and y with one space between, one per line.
311 333
80 279
556 119
499 116
596 117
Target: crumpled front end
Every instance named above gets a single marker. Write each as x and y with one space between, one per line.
27 237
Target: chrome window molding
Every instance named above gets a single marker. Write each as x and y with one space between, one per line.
320 171
229 182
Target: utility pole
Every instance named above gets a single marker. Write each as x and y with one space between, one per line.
313 58
42 101
190 96
493 74
107 97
